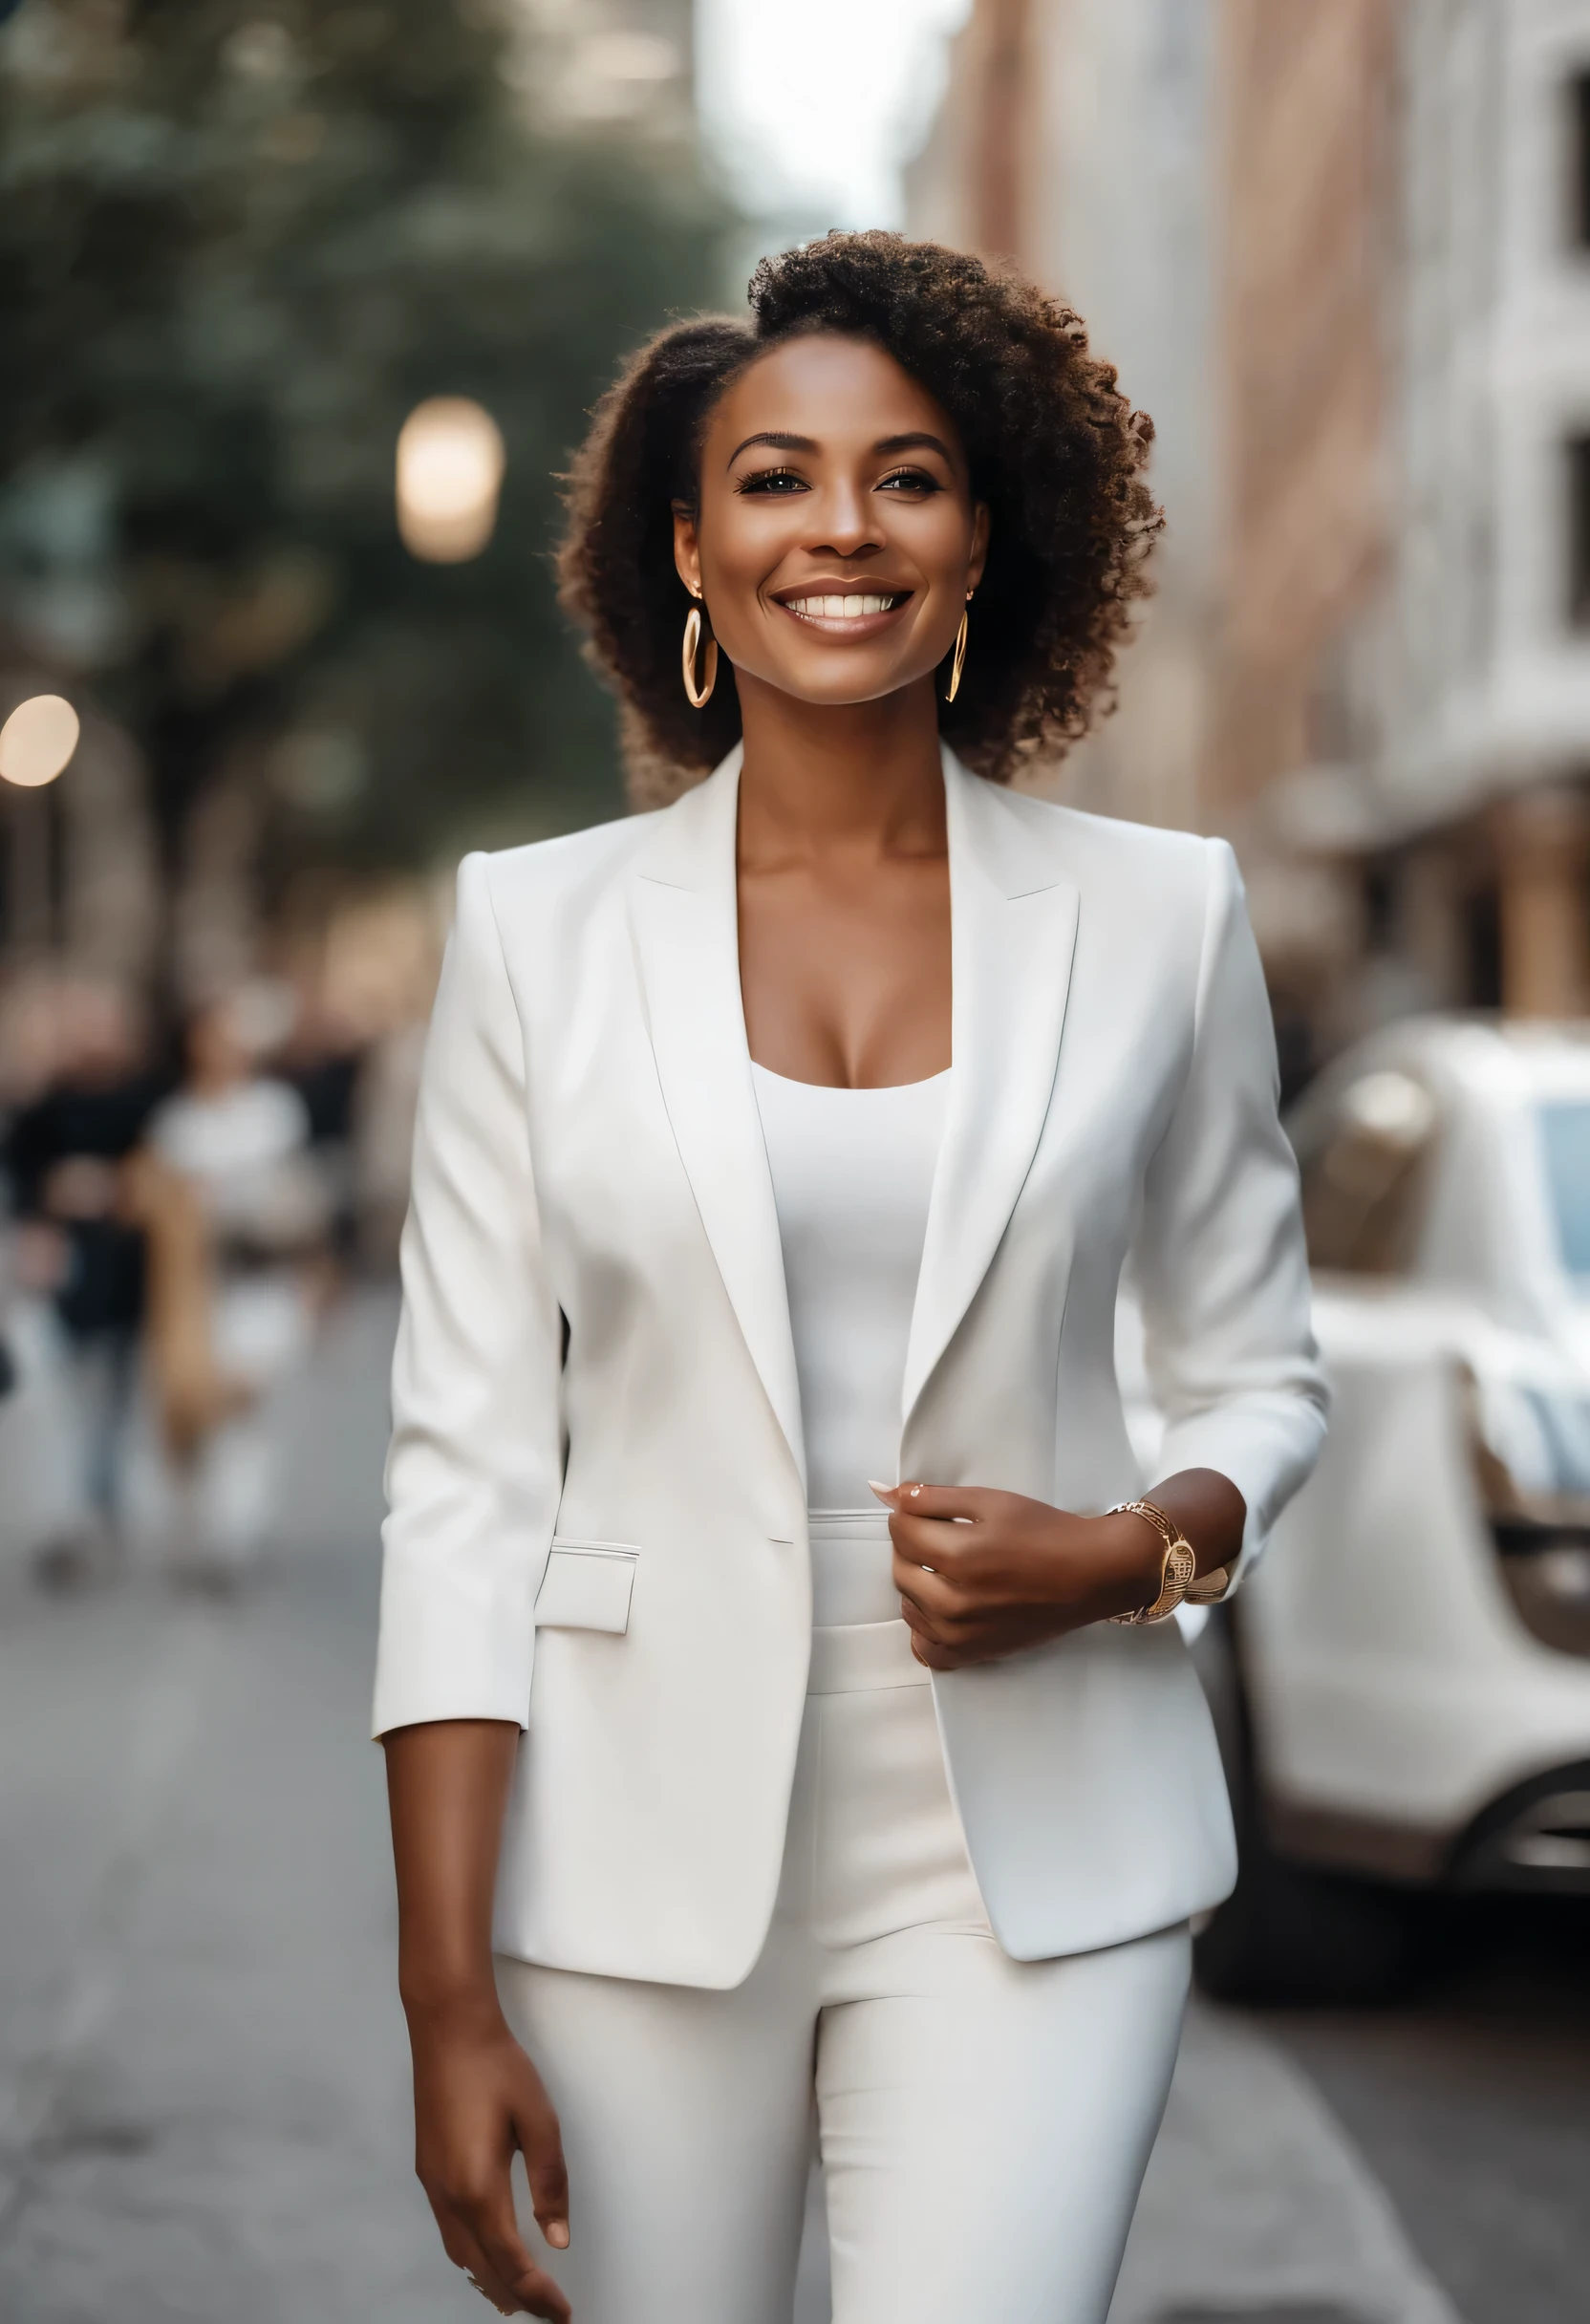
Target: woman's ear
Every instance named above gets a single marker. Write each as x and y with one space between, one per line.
687 547
979 545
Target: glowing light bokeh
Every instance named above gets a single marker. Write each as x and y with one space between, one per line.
450 463
38 740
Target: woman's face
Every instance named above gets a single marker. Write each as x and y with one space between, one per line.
836 536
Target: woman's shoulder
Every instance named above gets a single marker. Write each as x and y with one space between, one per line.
1106 849
548 874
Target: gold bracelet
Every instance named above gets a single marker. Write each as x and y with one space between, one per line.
1177 1573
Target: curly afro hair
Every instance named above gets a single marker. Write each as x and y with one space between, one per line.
1054 448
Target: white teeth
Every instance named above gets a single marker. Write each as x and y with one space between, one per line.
840 609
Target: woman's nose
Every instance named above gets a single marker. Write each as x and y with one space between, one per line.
844 523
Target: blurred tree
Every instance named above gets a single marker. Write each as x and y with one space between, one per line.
239 241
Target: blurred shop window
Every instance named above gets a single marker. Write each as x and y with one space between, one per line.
1577 455
1565 1137
1365 1160
1578 159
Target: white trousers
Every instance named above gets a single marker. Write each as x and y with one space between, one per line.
983 2124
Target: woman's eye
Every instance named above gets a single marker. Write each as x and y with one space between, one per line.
909 480
772 480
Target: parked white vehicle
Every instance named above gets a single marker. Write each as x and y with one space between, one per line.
1404 1683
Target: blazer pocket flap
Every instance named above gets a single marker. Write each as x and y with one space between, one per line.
587 1586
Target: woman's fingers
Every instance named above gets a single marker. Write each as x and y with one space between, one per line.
480 2235
972 1642
932 1657
497 2233
972 1503
541 2144
937 1546
464 2251
928 1600
943 1626
546 2299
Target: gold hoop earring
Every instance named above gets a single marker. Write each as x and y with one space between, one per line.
698 697
960 662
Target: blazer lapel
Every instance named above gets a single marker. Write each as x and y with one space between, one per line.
1014 928
684 912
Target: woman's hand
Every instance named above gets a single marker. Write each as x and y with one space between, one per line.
476 2098
476 2095
984 1574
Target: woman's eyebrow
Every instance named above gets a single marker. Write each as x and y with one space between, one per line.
776 440
917 440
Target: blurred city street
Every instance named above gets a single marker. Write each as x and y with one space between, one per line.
203 2108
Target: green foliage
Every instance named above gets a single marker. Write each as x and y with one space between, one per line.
239 240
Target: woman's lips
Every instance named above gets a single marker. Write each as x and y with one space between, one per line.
850 614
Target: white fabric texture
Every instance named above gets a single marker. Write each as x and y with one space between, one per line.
853 1178
983 2124
852 1567
589 1159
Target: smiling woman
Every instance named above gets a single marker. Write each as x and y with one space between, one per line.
776 1665
1001 405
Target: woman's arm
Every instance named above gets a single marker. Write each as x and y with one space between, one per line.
1219 1257
473 1481
476 2095
475 1469
1231 1357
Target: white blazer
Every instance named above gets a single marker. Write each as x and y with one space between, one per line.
598 1522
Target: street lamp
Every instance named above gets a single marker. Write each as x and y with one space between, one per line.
38 740
36 743
450 463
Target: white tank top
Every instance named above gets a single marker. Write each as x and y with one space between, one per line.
852 1173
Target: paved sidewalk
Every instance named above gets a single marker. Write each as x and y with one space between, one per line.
1256 2208
203 2104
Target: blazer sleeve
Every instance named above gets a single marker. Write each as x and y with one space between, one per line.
1221 1255
474 1470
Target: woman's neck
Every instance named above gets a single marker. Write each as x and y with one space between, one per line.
856 779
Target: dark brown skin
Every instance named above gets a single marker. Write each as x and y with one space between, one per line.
983 1574
476 2095
844 864
845 971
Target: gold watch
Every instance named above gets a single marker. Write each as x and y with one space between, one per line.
1177 1575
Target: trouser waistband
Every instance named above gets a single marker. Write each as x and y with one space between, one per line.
863 1655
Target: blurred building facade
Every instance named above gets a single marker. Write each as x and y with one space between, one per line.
614 62
1343 255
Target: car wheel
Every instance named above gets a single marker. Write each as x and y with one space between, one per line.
1289 1933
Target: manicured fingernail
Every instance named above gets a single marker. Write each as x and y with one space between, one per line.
915 1491
557 2234
885 1492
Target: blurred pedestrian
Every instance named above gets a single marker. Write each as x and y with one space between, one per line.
232 1307
78 1250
